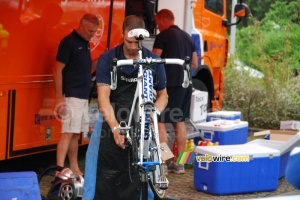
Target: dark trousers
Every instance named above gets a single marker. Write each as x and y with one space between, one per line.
113 180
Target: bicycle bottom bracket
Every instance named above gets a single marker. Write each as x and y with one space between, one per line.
152 168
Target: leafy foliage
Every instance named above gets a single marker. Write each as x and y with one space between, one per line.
264 102
271 46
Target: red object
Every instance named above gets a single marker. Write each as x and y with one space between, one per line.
175 151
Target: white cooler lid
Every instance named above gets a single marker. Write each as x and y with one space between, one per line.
275 144
282 146
221 125
290 144
224 113
253 150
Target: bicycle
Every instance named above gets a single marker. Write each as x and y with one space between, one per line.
144 140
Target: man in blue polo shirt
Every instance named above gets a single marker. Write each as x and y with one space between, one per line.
112 173
172 42
72 78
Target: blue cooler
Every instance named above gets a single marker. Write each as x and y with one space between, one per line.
19 186
284 148
224 131
254 168
227 115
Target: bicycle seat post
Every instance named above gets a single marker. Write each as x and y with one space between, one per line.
140 48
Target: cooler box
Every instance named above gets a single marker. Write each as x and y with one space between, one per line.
257 171
284 148
228 115
198 109
19 186
224 131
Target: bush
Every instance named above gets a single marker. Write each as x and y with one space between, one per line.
264 102
271 46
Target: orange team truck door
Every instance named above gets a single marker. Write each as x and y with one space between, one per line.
30 32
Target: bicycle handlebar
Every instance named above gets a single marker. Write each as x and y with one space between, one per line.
150 61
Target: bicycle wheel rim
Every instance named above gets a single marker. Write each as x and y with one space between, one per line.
158 172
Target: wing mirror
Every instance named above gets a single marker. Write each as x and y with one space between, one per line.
241 10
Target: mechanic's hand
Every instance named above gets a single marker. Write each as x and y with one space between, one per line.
119 139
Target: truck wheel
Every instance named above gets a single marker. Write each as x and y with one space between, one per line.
199 85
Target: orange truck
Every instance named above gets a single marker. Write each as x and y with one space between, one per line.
31 30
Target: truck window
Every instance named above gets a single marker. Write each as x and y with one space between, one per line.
215 6
145 9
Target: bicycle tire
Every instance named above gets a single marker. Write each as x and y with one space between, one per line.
133 152
159 193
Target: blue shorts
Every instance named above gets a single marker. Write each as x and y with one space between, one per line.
178 108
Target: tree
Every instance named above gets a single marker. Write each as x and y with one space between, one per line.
273 45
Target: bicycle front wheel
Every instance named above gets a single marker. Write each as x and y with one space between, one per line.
157 180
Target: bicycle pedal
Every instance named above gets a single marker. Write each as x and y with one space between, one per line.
164 186
163 183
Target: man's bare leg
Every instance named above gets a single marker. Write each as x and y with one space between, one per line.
62 148
73 154
180 136
162 132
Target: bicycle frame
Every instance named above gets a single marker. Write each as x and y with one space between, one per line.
146 109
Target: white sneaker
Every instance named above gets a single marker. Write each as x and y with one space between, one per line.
176 168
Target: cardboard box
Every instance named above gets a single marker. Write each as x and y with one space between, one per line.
258 173
280 135
166 152
198 109
224 131
293 125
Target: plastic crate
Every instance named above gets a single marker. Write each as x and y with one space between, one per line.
19 186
